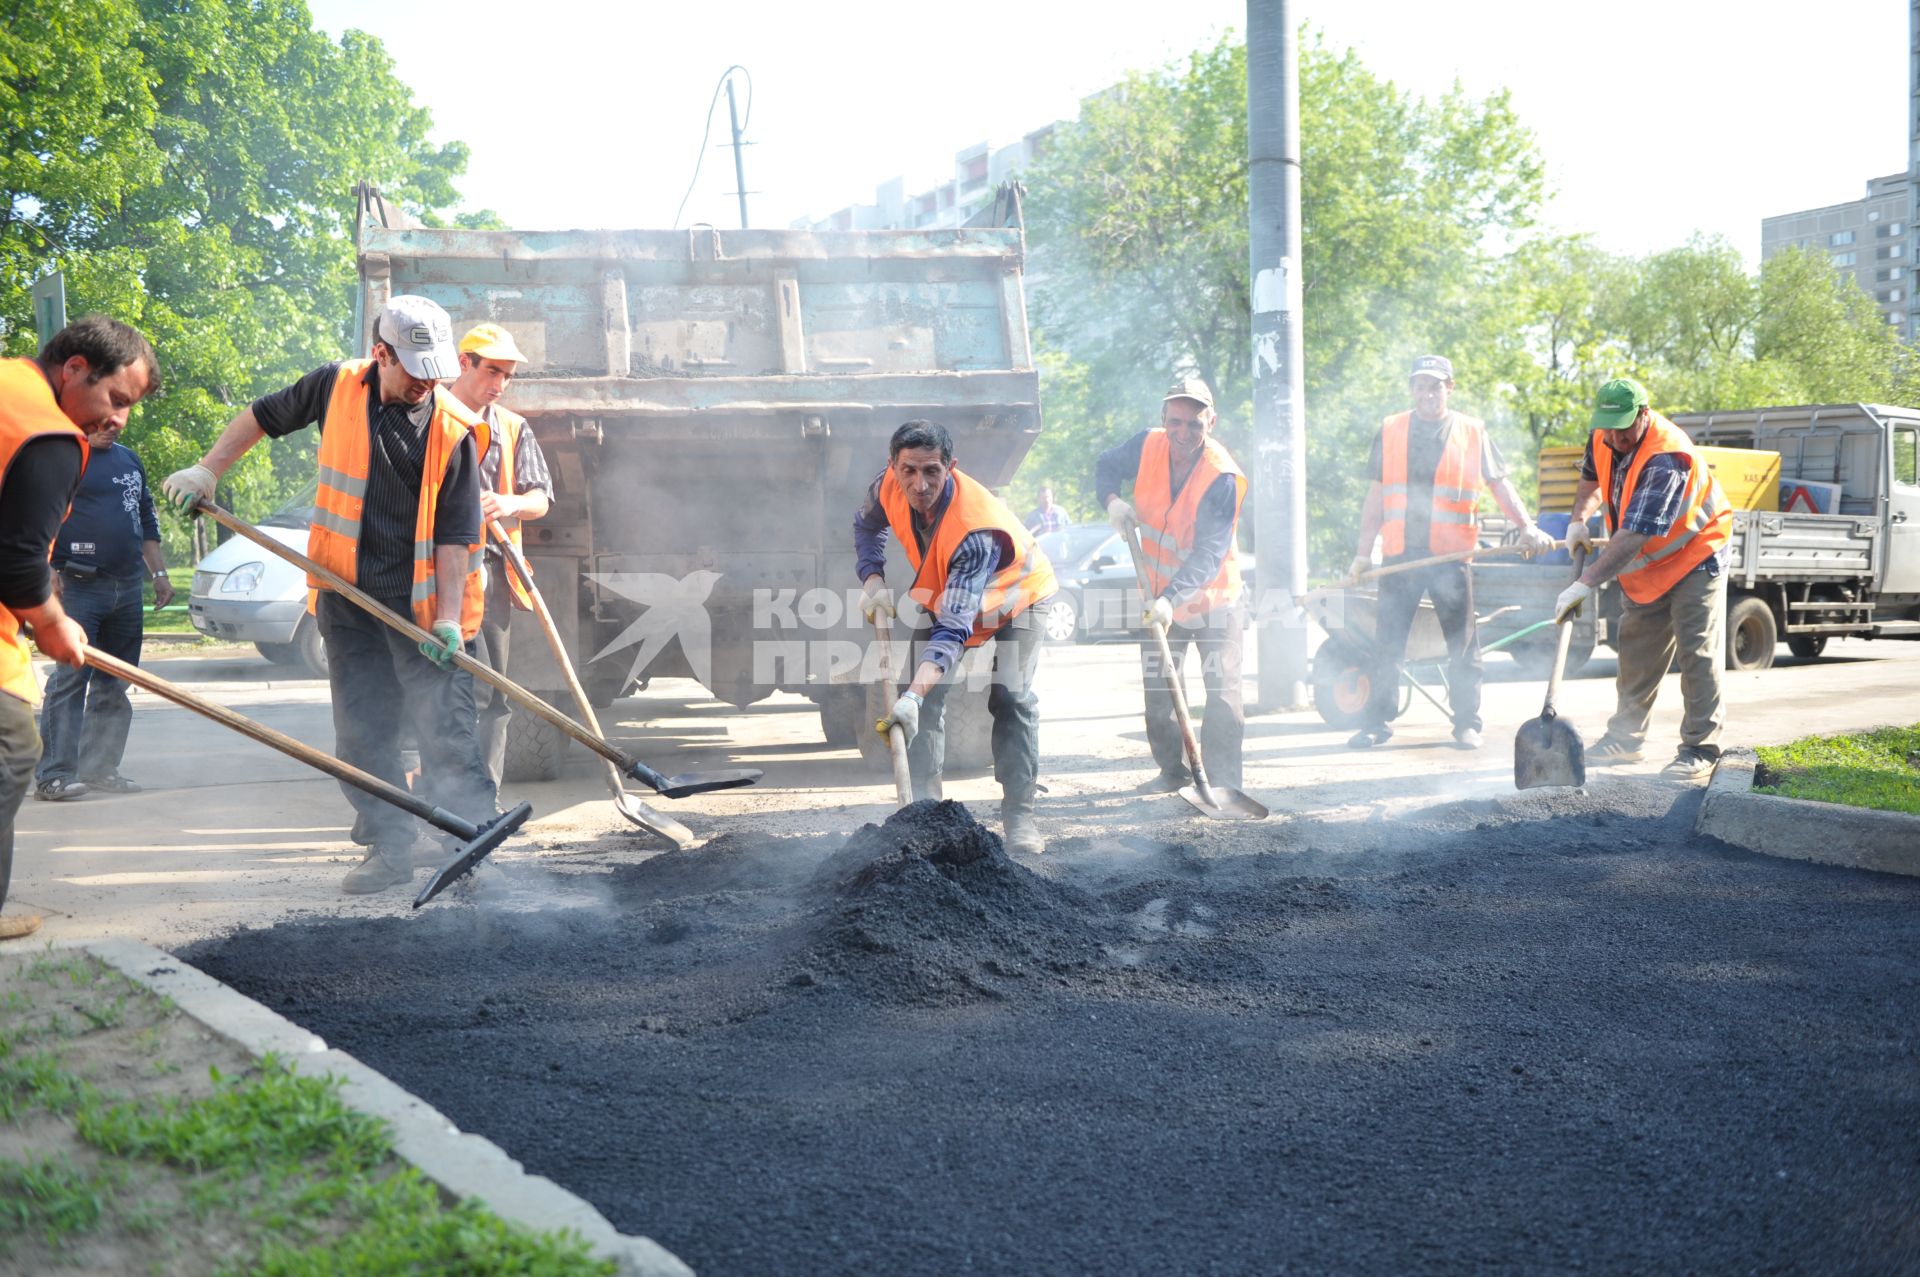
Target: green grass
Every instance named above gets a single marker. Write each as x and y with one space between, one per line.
1879 769
274 1156
53 1199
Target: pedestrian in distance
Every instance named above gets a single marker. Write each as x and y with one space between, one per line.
89 376
105 553
977 576
1428 468
515 488
1049 517
1187 493
398 516
1668 526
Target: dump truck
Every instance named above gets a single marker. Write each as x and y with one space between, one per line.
713 405
1830 548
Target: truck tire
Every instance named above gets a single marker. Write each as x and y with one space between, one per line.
1752 636
279 653
842 711
312 649
535 748
1807 646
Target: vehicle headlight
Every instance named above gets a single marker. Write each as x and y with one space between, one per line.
243 579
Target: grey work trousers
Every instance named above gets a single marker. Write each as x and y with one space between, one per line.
496 631
378 677
1223 728
1690 619
19 751
1011 702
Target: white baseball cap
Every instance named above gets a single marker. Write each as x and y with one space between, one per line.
420 333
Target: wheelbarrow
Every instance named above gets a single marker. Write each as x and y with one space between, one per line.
1343 667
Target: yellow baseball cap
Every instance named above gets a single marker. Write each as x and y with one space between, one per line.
490 341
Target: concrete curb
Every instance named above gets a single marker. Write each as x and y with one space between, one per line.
462 1165
1793 828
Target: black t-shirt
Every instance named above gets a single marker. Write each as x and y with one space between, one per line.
34 494
112 517
1426 440
398 454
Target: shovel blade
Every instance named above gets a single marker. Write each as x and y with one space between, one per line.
689 783
1547 751
490 835
1225 804
656 823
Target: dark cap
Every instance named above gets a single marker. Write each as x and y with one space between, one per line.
1432 366
1191 388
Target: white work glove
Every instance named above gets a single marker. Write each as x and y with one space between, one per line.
186 488
1534 542
1567 606
876 601
1361 564
1578 538
905 714
1121 515
1159 614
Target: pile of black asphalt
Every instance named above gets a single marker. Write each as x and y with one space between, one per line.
1552 1033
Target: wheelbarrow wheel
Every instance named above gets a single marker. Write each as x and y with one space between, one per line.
1342 684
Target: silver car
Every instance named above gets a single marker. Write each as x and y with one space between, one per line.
244 594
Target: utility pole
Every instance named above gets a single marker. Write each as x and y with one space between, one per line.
739 166
1279 400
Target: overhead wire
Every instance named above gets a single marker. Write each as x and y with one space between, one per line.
707 133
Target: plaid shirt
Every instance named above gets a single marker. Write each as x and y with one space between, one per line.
1658 498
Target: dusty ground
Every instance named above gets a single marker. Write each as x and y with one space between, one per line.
1539 1035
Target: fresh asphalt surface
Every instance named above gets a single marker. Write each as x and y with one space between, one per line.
1548 1033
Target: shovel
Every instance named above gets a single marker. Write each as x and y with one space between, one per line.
896 735
477 840
680 786
626 804
1222 802
1547 749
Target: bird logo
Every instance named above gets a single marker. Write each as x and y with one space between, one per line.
676 607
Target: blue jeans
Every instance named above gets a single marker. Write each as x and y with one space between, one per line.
86 714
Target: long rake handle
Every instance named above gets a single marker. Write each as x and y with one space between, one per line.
438 817
1176 682
380 611
1566 641
517 563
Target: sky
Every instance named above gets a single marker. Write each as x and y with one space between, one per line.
1658 119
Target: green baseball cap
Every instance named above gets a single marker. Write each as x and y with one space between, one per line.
1619 403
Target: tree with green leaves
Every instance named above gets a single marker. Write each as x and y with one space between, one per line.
190 168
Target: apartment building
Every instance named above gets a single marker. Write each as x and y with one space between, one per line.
1868 238
977 170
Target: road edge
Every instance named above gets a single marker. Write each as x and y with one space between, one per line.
463 1165
1795 829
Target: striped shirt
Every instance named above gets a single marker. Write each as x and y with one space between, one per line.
978 556
383 565
1658 498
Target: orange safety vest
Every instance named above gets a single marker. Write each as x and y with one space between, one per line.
1453 523
1024 581
1703 526
28 411
1167 522
507 427
345 451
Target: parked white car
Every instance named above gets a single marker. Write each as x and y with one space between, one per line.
244 594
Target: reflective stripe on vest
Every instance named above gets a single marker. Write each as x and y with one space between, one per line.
1168 523
1453 518
1011 590
333 539
507 426
28 411
1703 526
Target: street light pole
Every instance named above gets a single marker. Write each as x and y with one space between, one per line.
1279 399
739 166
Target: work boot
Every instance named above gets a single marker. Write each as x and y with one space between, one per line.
383 867
1611 749
1691 763
113 784
1368 737
1018 831
1467 738
15 925
1167 782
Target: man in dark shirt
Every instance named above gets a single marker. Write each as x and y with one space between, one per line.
1048 518
106 550
91 373
377 676
1405 508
